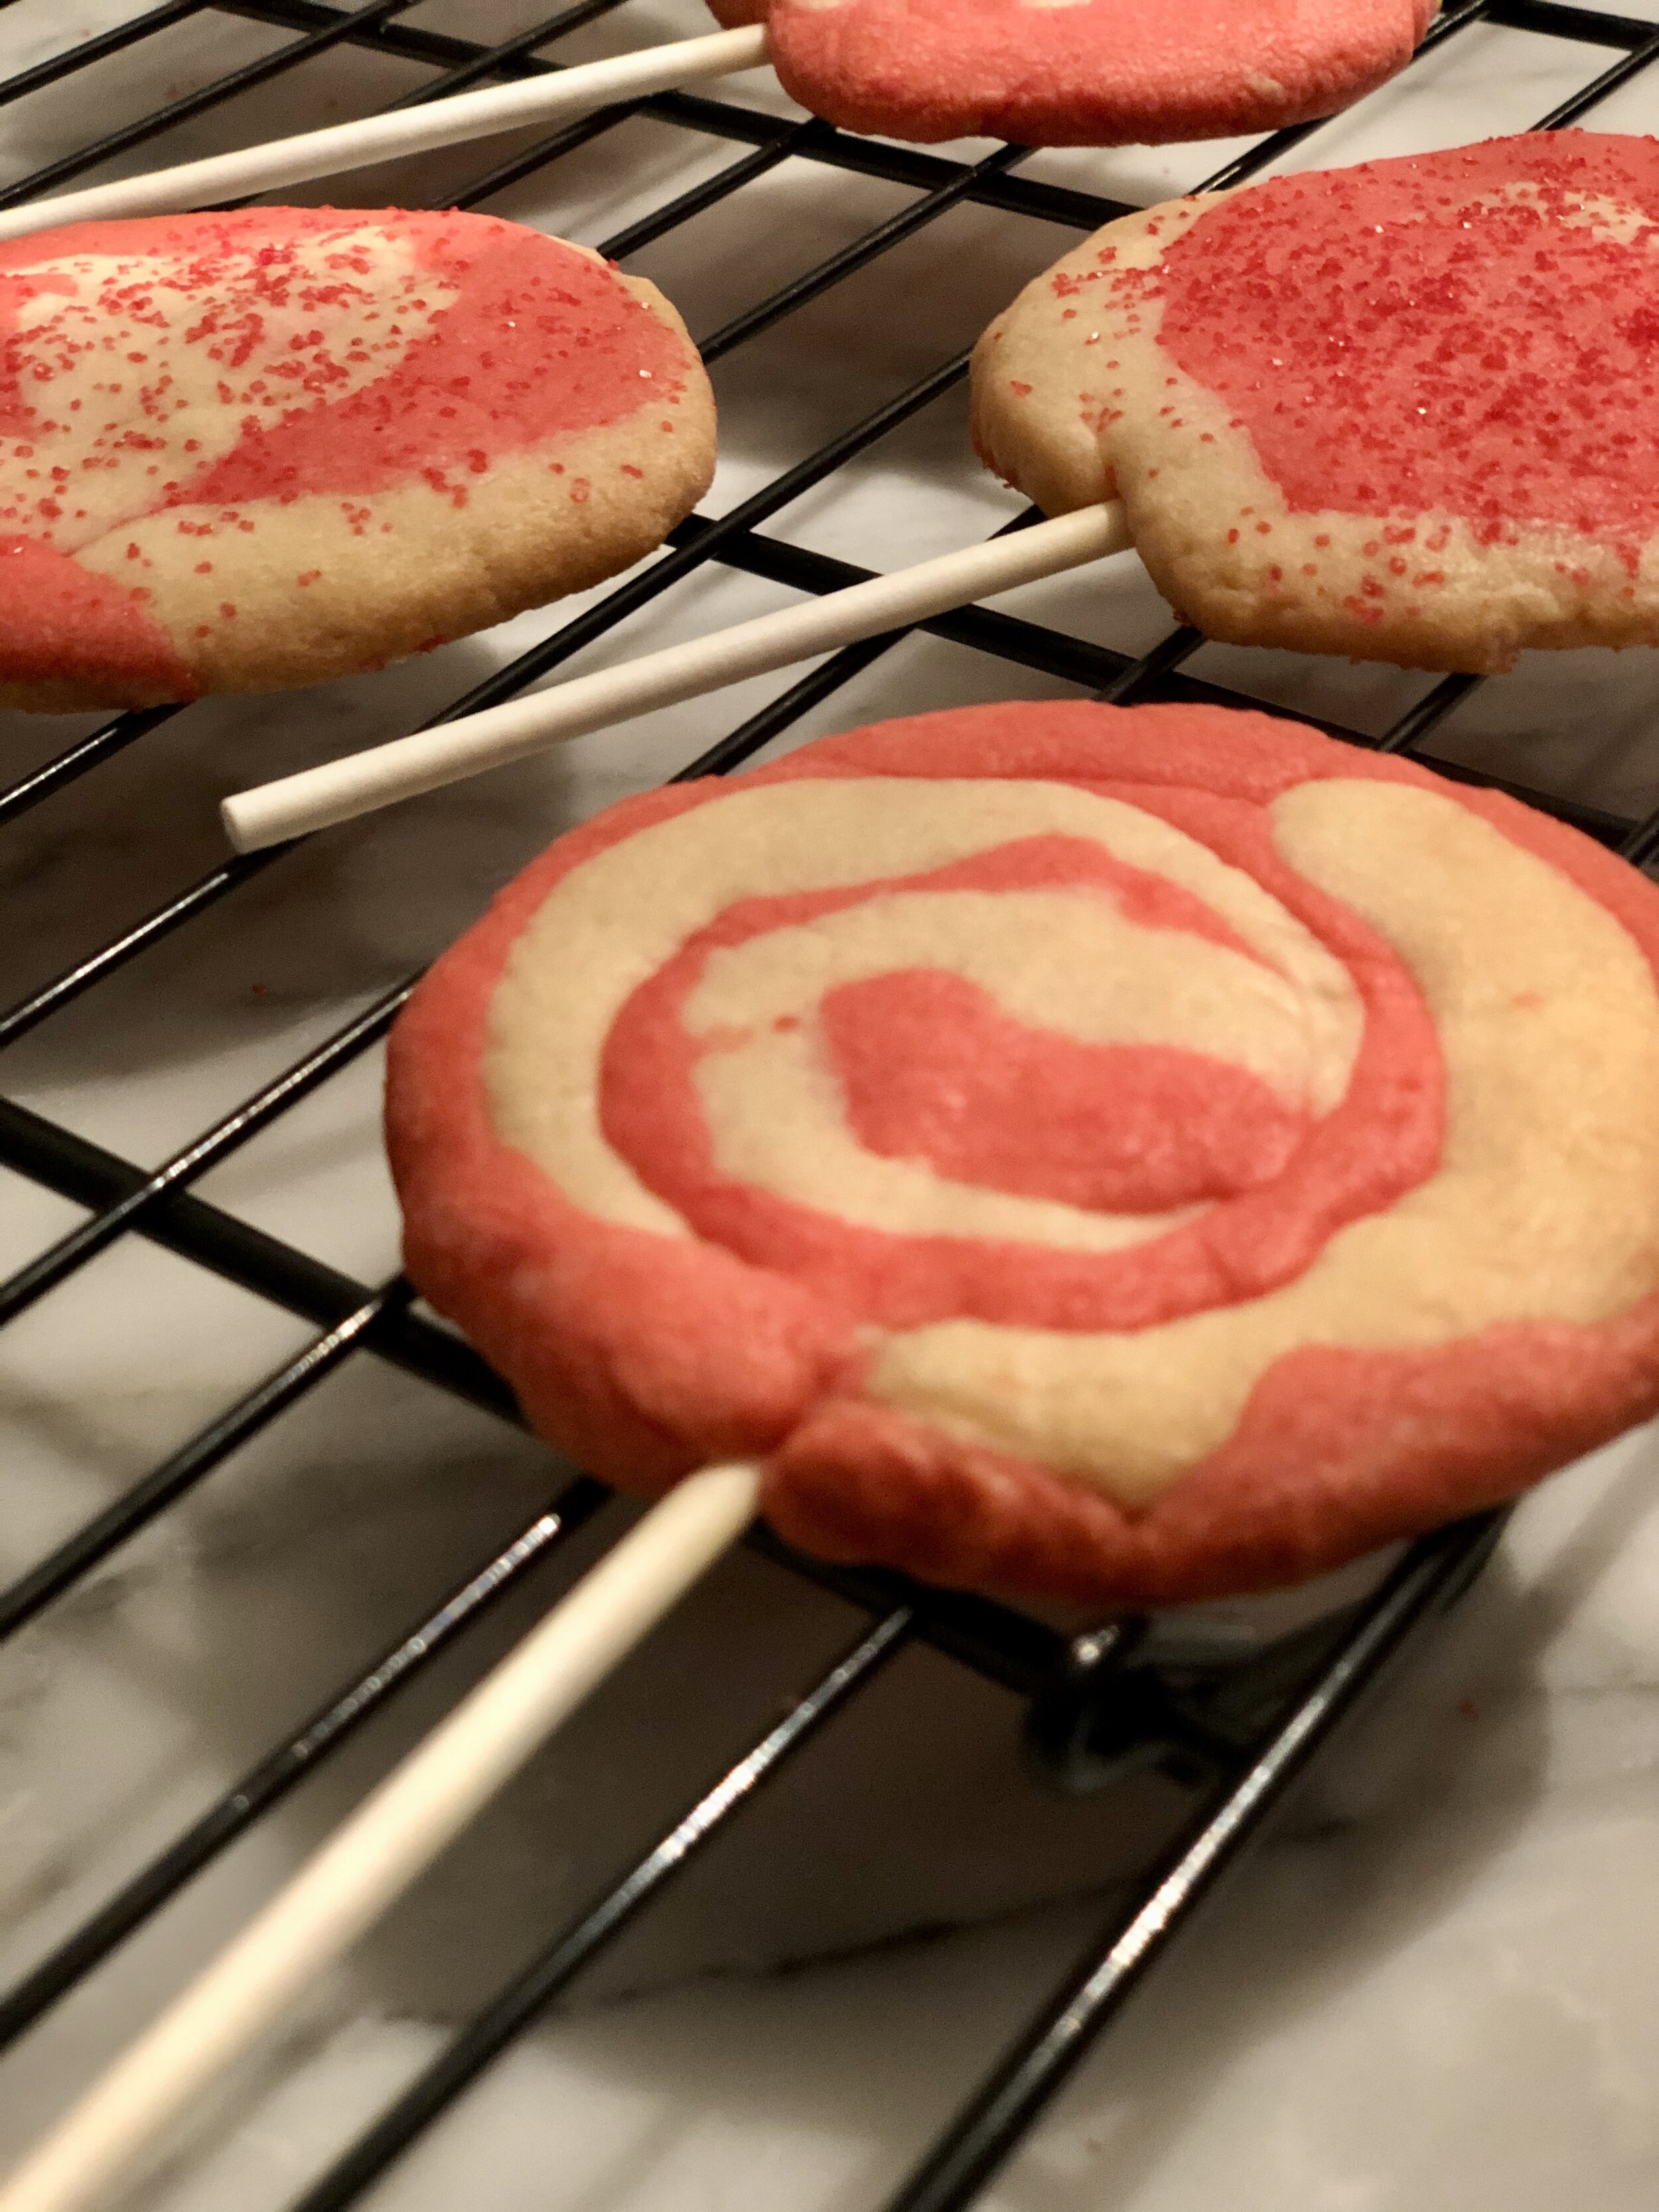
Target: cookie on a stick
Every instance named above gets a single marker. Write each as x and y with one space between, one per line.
1119 1155
1045 72
1080 72
1407 411
1116 1155
243 451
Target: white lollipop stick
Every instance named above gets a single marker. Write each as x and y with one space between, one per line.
394 1835
343 146
363 781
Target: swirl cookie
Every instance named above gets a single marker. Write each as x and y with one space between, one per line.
1407 411
1120 1154
1080 72
244 451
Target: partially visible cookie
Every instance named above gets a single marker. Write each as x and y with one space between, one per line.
1119 1155
244 451
1081 72
1407 411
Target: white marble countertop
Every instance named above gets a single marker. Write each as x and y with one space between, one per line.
1434 1988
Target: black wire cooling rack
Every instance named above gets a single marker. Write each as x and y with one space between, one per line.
1237 1735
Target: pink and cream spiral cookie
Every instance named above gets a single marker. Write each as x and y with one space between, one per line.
244 451
1407 411
1119 1154
1081 72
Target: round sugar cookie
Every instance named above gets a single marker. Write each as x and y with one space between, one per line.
1081 72
244 451
1119 1154
1407 411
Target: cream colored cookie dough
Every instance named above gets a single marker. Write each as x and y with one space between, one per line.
629 909
1544 1206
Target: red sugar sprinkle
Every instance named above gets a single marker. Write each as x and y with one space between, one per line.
1468 333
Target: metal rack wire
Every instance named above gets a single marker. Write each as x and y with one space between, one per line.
1239 1739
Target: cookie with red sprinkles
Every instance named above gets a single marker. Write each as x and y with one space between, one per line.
1118 1154
1081 72
1407 411
243 451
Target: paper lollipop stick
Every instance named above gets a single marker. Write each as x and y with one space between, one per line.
394 1835
341 789
343 146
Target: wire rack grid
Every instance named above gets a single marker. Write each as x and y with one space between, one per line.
1091 1704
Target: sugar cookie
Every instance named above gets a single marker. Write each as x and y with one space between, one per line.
1081 72
1406 411
244 451
1121 1154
